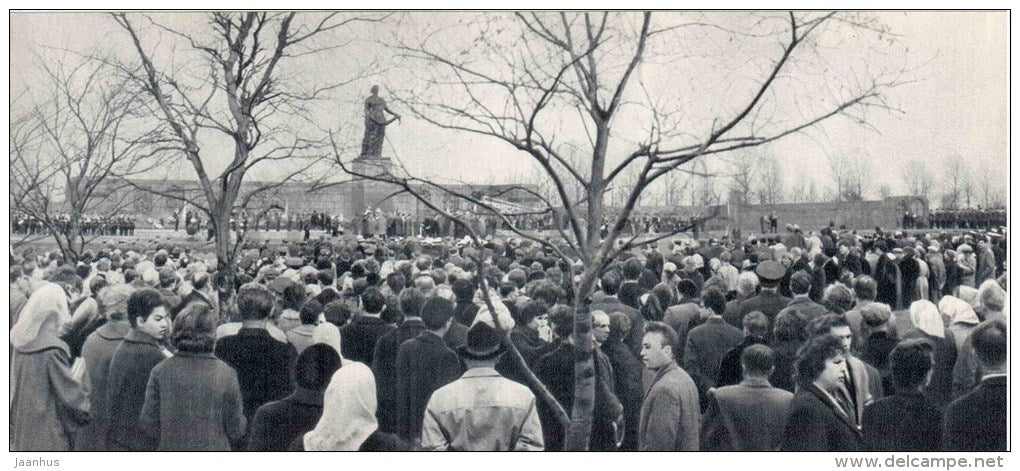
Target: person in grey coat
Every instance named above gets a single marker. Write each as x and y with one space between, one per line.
749 416
670 414
193 400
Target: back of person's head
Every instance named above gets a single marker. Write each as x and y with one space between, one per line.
757 359
315 367
97 284
812 355
159 260
800 282
687 288
991 296
372 300
423 263
336 313
823 325
546 292
254 302
325 277
865 288
195 329
630 294
755 323
632 269
439 276
747 283
619 327
837 298
436 313
411 302
200 281
506 288
395 281
310 312
83 270
464 289
141 303
875 315
562 319
989 341
294 296
424 283
610 283
910 361
714 299
113 301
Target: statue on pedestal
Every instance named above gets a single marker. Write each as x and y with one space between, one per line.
375 125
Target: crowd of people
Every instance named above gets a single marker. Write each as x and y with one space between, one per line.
91 224
973 218
826 341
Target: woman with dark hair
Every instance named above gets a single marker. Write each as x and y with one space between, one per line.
525 334
277 424
627 368
819 417
652 310
300 337
293 298
788 336
193 400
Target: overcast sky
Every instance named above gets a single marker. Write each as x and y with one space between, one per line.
956 106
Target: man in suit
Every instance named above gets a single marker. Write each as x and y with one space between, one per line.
263 363
384 359
749 416
756 328
361 335
609 304
800 286
424 364
769 301
820 416
709 342
670 414
977 421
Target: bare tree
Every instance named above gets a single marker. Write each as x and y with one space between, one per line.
954 180
918 178
83 131
769 184
533 80
245 62
743 177
851 175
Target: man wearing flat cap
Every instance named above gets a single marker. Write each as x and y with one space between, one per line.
769 301
482 411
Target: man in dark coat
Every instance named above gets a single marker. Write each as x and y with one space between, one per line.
910 270
130 366
769 301
556 371
424 364
263 364
904 421
465 310
279 423
820 416
977 421
751 415
384 360
801 304
361 335
611 284
756 329
627 370
708 343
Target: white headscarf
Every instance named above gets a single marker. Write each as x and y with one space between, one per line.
45 311
329 334
958 310
925 316
348 411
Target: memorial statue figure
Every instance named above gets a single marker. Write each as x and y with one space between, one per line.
375 124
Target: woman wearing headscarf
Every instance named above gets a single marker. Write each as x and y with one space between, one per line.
193 399
927 321
961 319
348 420
97 353
47 404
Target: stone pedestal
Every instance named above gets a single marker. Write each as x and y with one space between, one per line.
367 193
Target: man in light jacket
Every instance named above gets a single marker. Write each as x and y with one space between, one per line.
670 414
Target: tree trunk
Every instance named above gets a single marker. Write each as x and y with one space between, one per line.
578 435
225 263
